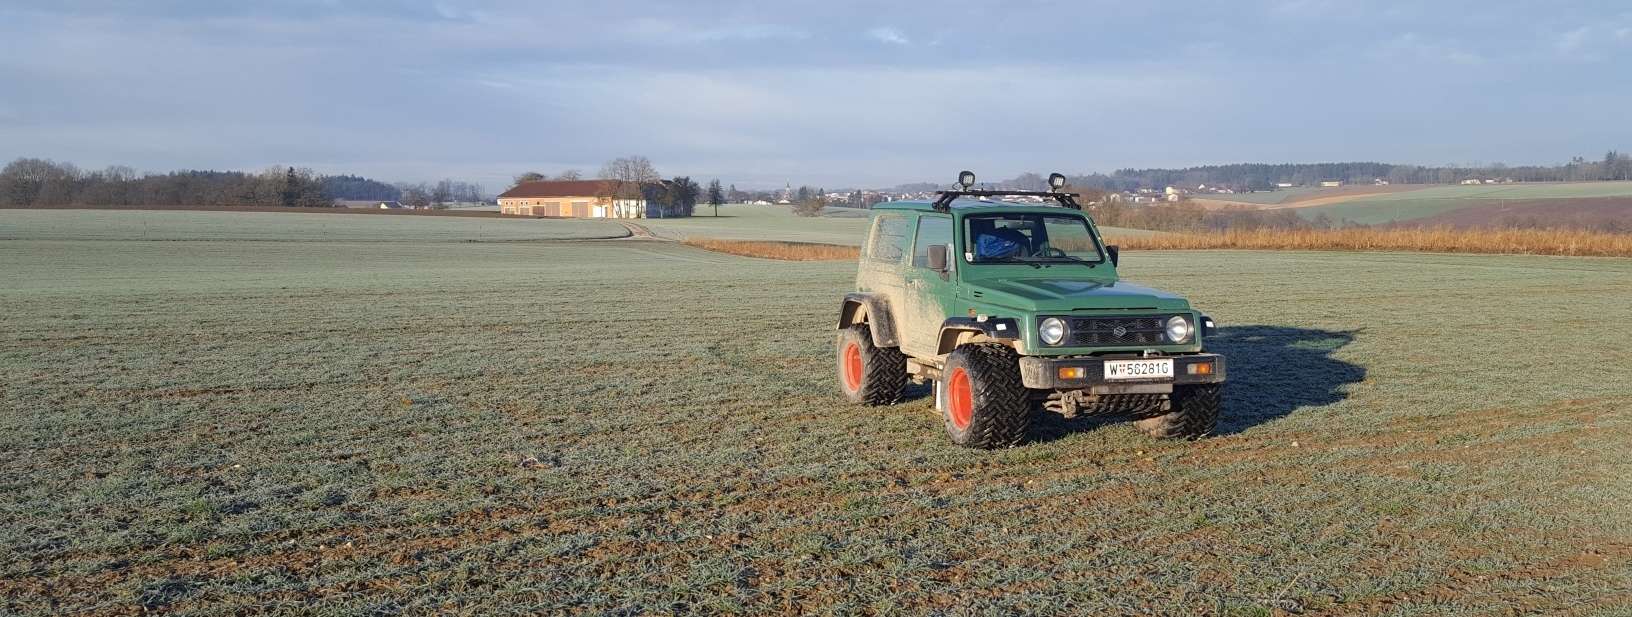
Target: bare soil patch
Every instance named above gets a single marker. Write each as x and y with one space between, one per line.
1342 194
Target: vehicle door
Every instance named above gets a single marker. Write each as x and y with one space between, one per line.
929 293
884 260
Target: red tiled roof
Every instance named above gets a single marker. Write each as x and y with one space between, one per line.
556 188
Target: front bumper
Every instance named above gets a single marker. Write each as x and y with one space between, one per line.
1043 373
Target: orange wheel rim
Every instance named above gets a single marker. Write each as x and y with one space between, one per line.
852 367
960 399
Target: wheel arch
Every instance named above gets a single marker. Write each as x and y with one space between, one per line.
870 309
959 330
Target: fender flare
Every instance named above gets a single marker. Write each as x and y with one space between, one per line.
872 310
996 328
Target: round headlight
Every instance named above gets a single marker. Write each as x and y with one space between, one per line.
1178 329
1052 330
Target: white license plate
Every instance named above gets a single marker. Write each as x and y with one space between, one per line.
1138 369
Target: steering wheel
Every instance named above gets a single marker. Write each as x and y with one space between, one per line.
1049 251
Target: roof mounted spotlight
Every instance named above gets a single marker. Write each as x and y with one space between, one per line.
966 180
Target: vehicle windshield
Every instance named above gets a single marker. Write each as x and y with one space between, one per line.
1029 237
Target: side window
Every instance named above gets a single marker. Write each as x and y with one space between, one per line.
890 236
931 230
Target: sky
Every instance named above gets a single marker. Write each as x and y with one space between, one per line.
834 93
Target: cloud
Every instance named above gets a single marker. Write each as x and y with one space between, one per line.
1412 46
1572 42
768 92
750 32
759 125
888 35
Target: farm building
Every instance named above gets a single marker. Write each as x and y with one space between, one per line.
1331 183
570 198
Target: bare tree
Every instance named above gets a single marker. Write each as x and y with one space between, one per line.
716 195
625 177
37 182
570 174
442 193
527 176
308 189
810 206
416 195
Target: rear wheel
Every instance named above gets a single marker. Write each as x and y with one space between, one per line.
983 400
868 374
1194 413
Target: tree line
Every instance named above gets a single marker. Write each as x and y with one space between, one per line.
441 193
43 182
1265 176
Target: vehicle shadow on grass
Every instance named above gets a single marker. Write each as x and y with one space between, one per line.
1271 372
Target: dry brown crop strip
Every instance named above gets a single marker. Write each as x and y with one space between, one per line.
786 251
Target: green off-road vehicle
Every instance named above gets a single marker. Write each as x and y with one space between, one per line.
1010 307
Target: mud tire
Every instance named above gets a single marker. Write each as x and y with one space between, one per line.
985 403
1194 413
872 375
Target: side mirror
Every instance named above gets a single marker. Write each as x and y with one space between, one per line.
1114 252
937 257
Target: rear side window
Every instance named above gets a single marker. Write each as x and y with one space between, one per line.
931 230
891 233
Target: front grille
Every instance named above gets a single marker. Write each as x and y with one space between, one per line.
1118 331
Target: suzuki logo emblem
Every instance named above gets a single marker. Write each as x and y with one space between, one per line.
1120 331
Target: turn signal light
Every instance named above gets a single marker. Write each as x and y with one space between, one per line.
1200 368
1072 372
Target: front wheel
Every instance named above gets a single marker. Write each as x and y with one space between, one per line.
982 397
1194 413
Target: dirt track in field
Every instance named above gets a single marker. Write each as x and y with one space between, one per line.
639 232
1318 199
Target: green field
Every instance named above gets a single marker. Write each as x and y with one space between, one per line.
287 226
1427 202
332 425
748 222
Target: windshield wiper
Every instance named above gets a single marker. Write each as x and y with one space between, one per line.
1011 259
1090 264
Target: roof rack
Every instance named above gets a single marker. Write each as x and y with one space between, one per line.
944 202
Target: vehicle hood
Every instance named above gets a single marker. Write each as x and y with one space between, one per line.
1074 294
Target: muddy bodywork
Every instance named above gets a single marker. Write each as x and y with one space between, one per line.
927 313
1010 307
873 310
